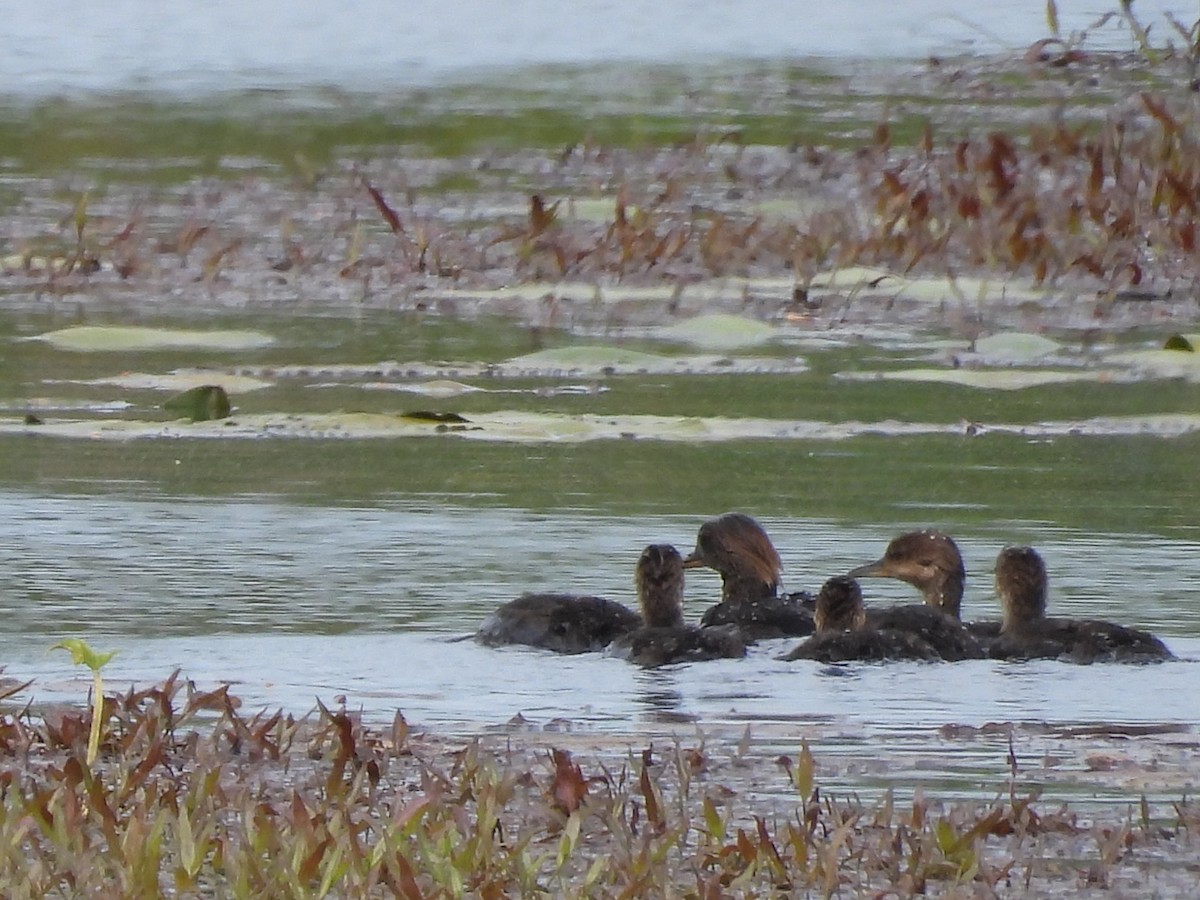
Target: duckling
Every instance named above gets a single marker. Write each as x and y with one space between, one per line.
1026 632
563 623
738 548
665 638
844 634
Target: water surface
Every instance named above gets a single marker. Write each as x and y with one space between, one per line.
294 602
179 47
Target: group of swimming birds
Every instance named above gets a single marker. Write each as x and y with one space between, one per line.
838 627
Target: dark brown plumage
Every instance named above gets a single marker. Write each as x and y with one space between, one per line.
844 635
564 623
931 562
665 639
951 639
1026 632
738 548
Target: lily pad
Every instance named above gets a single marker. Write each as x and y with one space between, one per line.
717 332
926 288
1015 347
127 339
786 209
991 379
1161 363
438 388
595 209
180 380
73 404
596 360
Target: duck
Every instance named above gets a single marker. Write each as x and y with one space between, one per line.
1026 632
931 562
844 632
559 622
665 638
738 548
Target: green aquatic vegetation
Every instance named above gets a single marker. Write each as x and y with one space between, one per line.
531 428
163 142
203 403
83 655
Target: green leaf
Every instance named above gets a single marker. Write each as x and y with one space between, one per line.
81 207
1180 342
594 871
713 821
719 331
947 840
570 836
1052 17
804 771
1009 347
83 654
984 379
187 844
335 868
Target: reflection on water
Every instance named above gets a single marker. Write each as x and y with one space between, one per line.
296 602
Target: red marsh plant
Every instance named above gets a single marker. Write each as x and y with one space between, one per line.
1115 205
1106 200
190 796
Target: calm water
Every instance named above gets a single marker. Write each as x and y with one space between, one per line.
296 602
71 46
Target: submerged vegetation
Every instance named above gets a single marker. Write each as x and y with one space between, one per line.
190 796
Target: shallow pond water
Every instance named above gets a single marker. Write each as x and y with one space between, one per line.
303 564
294 602
372 43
